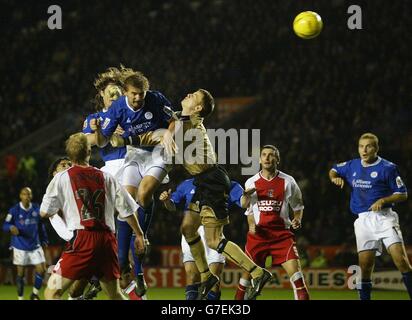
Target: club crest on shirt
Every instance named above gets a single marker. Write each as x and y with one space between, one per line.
270 193
148 115
374 174
399 182
354 174
34 213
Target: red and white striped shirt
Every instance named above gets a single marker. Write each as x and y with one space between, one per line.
88 198
273 200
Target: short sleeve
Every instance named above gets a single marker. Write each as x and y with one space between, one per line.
86 124
395 181
341 168
295 199
235 195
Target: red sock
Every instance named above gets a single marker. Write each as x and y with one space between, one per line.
240 292
299 287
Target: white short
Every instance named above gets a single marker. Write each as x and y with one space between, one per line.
212 256
112 166
140 163
60 227
27 258
374 228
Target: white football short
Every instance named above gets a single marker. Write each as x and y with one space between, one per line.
374 228
27 258
112 166
140 163
212 256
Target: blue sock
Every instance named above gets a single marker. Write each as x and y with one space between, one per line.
38 281
192 291
124 234
365 289
213 295
407 280
148 217
20 286
138 267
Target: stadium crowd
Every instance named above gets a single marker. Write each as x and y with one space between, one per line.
314 98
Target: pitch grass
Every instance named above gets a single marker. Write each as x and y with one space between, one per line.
9 293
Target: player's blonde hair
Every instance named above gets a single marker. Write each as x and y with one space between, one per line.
78 148
111 75
128 76
372 137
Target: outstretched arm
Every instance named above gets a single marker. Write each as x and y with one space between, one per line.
336 179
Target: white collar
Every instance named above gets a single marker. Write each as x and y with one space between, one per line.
21 206
365 165
277 173
127 104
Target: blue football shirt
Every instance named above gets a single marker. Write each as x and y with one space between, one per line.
370 183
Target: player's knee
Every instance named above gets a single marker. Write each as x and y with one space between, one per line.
213 243
188 230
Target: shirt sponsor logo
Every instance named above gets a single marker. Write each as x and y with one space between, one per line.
266 206
374 174
399 182
106 123
148 115
359 183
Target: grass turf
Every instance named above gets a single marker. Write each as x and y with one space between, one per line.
9 293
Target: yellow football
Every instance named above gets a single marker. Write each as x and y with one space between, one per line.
307 25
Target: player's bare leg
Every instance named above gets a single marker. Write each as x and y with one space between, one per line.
77 289
192 280
190 225
56 286
20 282
400 258
215 240
294 271
217 269
366 263
112 289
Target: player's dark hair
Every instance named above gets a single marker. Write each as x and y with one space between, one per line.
271 146
54 165
111 75
137 80
208 103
